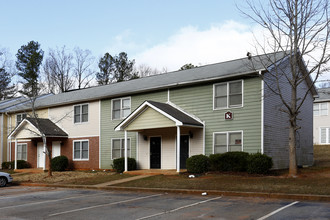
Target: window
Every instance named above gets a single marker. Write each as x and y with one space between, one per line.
118 148
81 113
121 108
21 151
20 118
325 135
80 150
320 109
228 95
228 141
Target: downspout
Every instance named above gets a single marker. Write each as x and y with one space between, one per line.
262 111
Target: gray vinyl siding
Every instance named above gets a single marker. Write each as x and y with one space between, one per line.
108 125
276 125
198 101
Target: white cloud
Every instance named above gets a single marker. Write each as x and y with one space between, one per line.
218 43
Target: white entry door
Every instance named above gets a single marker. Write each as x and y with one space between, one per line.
41 155
56 149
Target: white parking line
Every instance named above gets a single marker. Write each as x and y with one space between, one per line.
47 201
278 210
182 207
108 204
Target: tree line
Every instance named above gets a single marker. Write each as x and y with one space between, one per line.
61 70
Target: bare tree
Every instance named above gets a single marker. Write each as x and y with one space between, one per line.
7 89
57 70
83 72
144 70
300 29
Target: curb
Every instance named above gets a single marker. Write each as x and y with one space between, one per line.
308 197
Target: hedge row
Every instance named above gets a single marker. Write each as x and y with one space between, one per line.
231 161
21 164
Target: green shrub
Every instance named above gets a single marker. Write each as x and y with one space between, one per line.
229 161
197 164
7 165
60 163
119 164
21 164
259 163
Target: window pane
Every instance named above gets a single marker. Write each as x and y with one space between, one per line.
77 118
126 103
77 114
221 102
220 143
235 142
324 108
221 90
76 150
116 114
85 109
126 112
116 105
235 100
235 88
316 109
84 118
115 154
116 144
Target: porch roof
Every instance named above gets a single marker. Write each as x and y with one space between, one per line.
173 115
31 128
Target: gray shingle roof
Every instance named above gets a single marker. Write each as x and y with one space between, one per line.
47 127
324 95
211 72
175 113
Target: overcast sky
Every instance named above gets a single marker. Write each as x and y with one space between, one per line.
158 33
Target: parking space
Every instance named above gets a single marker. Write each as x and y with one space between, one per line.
58 203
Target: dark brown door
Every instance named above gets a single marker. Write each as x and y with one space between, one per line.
155 155
184 150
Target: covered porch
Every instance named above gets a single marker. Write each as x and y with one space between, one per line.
167 136
34 139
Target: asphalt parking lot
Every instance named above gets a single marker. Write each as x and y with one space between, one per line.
20 202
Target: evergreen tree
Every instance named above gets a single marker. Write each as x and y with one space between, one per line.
6 90
29 58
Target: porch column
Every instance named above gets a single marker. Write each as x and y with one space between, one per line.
15 154
126 164
178 149
45 156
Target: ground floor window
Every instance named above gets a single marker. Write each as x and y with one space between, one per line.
80 150
21 151
118 148
325 135
227 141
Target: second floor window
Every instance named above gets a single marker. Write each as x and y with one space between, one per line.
20 118
80 113
320 109
121 108
228 95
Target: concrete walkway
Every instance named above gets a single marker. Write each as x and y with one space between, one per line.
124 180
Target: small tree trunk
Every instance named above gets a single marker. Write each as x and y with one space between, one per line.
292 154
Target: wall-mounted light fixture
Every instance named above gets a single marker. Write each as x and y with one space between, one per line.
145 137
191 135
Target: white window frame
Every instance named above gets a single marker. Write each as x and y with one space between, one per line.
80 113
23 116
318 110
227 84
327 135
121 144
121 108
80 159
20 146
227 138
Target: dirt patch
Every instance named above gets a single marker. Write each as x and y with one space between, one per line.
60 177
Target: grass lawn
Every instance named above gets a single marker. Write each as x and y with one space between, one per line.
304 184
